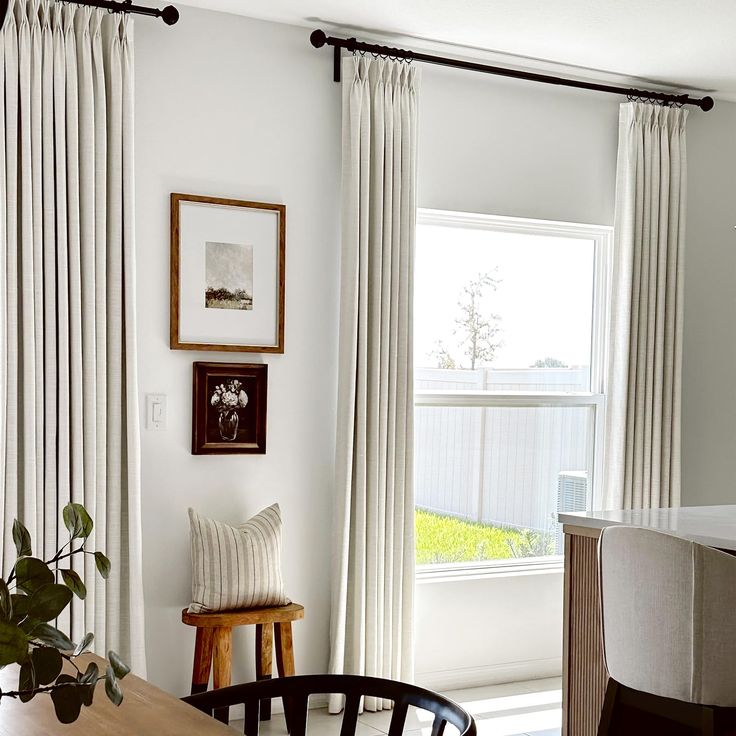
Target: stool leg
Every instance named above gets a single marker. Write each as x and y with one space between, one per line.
202 660
222 665
264 662
285 660
284 650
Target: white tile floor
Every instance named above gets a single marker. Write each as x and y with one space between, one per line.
531 708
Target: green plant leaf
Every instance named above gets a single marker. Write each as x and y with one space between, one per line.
28 624
31 573
118 666
74 583
77 520
6 602
87 681
26 682
103 564
90 675
13 644
86 694
49 601
67 700
20 603
22 539
84 644
47 663
47 634
112 687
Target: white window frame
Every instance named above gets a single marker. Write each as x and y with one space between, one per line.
602 237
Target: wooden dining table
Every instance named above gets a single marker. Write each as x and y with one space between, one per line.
146 709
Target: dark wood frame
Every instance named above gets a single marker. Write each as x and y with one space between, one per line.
174 341
200 371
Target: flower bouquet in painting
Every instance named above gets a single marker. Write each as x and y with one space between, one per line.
227 399
229 408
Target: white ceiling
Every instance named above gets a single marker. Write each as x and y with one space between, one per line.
688 44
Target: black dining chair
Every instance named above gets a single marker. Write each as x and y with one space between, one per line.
295 692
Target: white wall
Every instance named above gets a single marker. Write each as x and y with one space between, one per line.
709 348
231 107
499 629
516 148
234 107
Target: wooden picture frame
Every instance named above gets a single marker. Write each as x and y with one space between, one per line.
234 423
275 292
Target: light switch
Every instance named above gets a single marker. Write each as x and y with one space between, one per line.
156 411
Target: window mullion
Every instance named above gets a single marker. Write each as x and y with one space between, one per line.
487 400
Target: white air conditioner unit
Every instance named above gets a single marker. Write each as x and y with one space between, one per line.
572 490
572 495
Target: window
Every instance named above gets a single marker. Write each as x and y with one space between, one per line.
510 334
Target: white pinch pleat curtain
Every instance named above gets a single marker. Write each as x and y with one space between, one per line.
642 458
373 581
68 393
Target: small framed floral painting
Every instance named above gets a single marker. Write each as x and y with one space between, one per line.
227 274
229 409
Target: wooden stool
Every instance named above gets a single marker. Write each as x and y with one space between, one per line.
213 646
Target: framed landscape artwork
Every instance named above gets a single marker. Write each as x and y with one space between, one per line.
227 274
229 408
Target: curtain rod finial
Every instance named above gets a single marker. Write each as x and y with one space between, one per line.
706 104
169 15
317 38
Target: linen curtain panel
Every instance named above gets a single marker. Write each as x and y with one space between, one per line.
68 393
373 585
642 459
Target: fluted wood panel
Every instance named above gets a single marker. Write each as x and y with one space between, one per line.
584 676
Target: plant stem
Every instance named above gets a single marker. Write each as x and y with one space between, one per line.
55 559
58 556
69 658
73 663
68 554
46 688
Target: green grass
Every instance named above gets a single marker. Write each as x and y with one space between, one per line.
448 539
228 304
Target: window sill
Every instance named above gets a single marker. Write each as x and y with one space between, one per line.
484 570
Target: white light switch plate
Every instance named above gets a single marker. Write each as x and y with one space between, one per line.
156 411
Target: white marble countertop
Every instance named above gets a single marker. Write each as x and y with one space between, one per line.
714 526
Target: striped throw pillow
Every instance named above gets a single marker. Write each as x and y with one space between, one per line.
236 566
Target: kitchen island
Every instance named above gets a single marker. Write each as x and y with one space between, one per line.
584 674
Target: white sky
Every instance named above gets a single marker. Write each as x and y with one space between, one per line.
544 298
229 266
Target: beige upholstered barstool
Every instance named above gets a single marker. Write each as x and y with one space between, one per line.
669 634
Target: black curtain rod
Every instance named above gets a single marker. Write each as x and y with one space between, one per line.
168 15
319 38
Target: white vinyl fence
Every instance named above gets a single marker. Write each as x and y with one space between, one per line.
500 465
